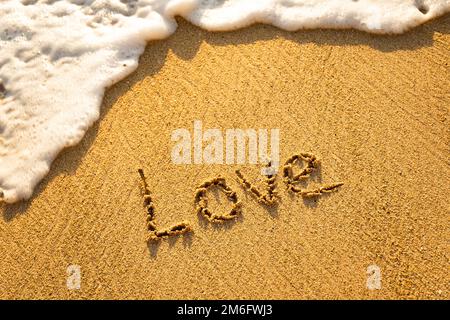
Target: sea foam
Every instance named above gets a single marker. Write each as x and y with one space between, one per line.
58 56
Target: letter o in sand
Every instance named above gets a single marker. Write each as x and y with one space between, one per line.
201 200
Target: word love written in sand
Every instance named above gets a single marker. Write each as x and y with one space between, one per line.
268 197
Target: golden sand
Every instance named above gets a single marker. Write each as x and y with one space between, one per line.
373 109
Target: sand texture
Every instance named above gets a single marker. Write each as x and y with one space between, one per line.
373 109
